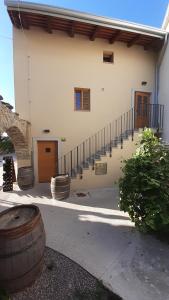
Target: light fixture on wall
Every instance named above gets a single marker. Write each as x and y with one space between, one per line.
46 130
144 83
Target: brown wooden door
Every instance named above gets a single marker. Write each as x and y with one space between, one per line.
142 109
47 160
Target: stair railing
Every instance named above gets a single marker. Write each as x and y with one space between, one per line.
112 135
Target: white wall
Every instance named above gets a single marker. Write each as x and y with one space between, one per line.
164 91
45 81
47 68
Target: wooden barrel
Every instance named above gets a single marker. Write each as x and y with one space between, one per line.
25 178
60 187
22 244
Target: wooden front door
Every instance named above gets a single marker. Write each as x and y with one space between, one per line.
47 160
142 109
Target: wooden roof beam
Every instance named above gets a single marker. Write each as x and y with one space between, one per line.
115 36
134 40
14 18
71 31
20 20
48 27
24 22
149 45
94 33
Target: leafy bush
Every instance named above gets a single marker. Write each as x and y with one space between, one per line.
144 188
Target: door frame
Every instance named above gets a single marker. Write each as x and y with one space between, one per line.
35 152
142 90
141 119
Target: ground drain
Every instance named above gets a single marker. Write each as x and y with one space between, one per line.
81 194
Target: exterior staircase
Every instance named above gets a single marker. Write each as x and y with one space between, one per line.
92 150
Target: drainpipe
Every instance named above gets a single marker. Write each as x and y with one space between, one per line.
157 68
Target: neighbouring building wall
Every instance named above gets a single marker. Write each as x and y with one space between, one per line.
165 24
49 66
163 96
164 90
167 28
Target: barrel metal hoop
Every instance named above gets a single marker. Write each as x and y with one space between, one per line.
40 262
2 256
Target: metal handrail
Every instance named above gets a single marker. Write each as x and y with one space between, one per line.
111 135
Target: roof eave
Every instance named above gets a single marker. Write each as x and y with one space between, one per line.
84 17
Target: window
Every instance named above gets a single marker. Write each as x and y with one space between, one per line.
82 99
108 57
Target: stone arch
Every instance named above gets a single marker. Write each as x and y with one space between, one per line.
18 140
19 132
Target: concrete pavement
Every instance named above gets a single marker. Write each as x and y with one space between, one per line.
93 232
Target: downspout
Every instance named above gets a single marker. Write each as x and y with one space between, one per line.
157 67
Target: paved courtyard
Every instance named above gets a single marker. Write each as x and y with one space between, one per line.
94 233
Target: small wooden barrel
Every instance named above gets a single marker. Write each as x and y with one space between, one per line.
60 187
25 178
22 245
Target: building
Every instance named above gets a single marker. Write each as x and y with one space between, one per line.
85 83
163 96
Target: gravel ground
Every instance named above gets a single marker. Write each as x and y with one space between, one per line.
63 279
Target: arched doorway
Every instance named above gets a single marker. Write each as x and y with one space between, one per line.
20 145
19 132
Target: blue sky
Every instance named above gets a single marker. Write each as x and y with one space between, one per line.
148 12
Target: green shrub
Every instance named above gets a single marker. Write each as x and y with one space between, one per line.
144 187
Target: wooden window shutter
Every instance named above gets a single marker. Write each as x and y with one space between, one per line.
86 99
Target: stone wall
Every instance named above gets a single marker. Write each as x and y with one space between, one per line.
19 132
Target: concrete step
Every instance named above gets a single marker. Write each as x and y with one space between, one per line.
74 174
79 170
85 165
104 151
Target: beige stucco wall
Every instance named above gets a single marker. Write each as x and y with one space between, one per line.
114 165
49 66
164 90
